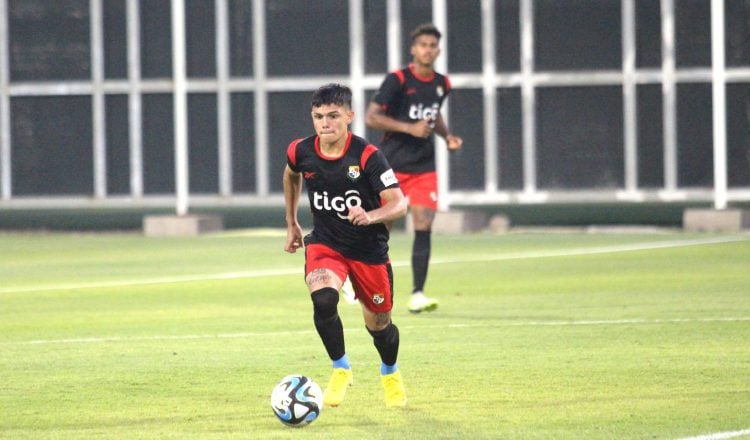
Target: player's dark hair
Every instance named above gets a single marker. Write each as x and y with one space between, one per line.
425 29
332 94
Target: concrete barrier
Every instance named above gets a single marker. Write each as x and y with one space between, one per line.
185 225
454 222
715 220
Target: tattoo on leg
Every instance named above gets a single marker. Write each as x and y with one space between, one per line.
382 319
318 276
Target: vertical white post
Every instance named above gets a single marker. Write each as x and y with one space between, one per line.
262 136
393 24
223 101
135 107
440 20
97 97
5 170
179 78
719 104
491 143
357 64
669 94
528 98
629 97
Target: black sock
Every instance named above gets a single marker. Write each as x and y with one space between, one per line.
327 321
386 341
420 258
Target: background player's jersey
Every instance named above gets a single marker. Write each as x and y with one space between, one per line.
407 97
336 184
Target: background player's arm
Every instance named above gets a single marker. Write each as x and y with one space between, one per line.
454 142
292 191
393 207
376 119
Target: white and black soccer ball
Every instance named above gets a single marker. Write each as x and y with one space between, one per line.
297 400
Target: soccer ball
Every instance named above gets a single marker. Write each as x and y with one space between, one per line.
297 400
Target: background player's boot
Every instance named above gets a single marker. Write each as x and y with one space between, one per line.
393 384
337 385
418 302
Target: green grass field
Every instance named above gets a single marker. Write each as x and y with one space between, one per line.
539 335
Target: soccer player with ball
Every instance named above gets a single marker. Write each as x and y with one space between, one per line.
353 196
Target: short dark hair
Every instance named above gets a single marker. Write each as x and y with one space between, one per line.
332 94
425 29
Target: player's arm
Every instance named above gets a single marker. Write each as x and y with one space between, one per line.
454 142
392 207
376 119
292 191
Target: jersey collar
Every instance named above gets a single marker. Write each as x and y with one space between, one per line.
346 147
414 73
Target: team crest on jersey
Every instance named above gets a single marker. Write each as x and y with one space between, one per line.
439 90
353 172
378 298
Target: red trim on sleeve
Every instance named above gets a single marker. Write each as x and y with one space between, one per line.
369 150
447 84
400 75
291 151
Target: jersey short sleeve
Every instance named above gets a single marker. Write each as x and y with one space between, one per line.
291 155
389 90
379 171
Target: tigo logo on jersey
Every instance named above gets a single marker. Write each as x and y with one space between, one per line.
420 111
353 172
338 204
378 298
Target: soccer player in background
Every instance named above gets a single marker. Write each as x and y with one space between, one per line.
407 109
353 192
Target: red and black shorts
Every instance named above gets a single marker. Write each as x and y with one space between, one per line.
373 283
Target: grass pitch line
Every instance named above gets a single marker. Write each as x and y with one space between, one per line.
99 340
720 435
297 270
592 250
596 322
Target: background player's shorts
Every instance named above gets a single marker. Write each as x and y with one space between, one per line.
373 283
421 189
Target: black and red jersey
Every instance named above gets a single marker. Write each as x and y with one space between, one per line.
334 185
405 96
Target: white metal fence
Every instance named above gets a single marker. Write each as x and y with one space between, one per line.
485 183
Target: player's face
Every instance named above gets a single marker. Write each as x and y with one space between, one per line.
331 122
425 50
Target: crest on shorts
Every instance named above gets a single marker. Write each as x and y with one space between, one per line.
353 172
378 298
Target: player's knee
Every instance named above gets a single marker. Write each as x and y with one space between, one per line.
325 302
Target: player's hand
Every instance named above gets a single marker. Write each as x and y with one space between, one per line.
293 239
421 129
358 216
454 142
